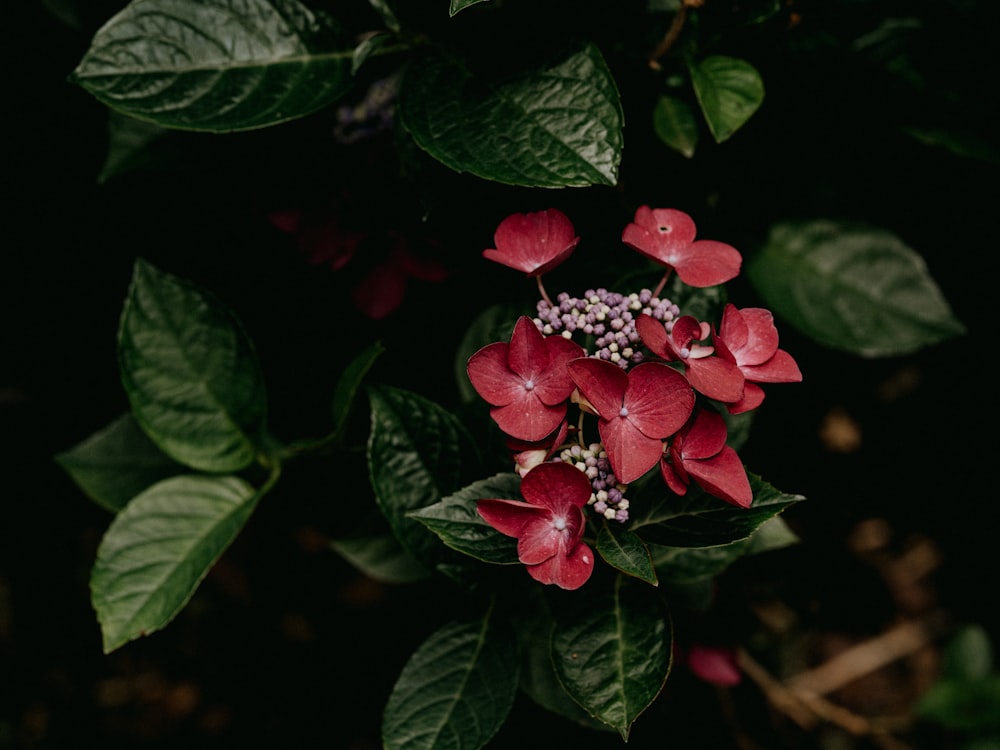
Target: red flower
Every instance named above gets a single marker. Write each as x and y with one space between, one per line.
699 452
716 665
528 454
666 235
748 338
715 377
637 410
533 243
526 380
549 526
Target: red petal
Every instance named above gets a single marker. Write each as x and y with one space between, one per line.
554 384
508 516
658 398
676 479
753 396
659 234
492 378
566 571
381 291
723 476
528 355
527 418
556 486
654 336
533 243
715 665
602 383
705 436
686 330
781 368
539 540
762 337
631 453
716 378
708 263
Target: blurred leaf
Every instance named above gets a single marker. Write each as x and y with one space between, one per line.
773 534
417 455
851 287
963 705
129 146
366 49
349 383
969 654
387 15
612 650
381 558
117 463
558 127
675 124
456 690
160 547
699 520
458 524
625 551
216 65
67 11
962 143
729 91
190 373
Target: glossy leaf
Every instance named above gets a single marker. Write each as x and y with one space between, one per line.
612 651
675 124
558 127
458 524
625 551
455 691
160 547
457 5
700 520
417 455
856 288
190 372
117 463
349 384
216 65
729 91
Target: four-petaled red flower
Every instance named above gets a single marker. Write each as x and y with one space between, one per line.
533 243
636 409
699 452
748 338
715 377
666 235
525 381
549 526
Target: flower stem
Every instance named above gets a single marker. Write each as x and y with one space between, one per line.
541 289
663 283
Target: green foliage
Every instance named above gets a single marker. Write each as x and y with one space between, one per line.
729 92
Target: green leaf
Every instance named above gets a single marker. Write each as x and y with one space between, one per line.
457 5
456 690
963 705
969 654
117 463
457 523
349 383
386 14
417 455
675 124
625 551
729 91
961 143
612 651
190 373
558 127
160 547
699 520
773 534
367 48
493 324
216 65
851 287
130 146
380 557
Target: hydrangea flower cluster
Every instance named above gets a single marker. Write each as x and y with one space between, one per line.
656 381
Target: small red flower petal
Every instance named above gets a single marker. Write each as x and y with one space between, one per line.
533 243
567 572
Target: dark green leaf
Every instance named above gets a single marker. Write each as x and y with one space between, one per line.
558 127
386 14
190 373
380 557
729 91
216 65
625 551
457 5
959 142
612 650
851 287
969 654
675 124
417 454
160 547
366 49
349 383
699 520
964 705
773 534
130 146
456 521
117 463
691 564
455 691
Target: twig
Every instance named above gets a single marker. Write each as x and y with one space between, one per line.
670 38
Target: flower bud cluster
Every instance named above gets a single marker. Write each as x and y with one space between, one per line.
607 498
610 316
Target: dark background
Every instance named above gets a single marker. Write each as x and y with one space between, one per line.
286 643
